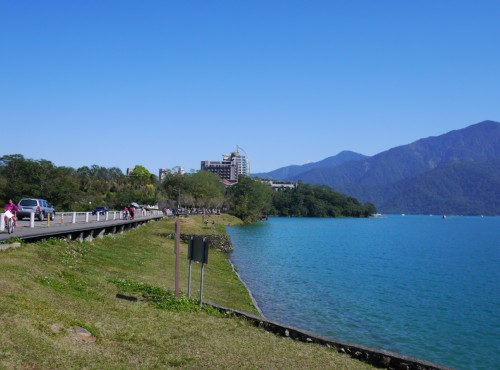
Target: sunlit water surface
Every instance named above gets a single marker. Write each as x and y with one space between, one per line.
422 286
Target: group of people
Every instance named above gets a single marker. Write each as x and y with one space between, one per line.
10 210
129 212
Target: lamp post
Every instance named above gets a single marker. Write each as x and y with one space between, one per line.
178 197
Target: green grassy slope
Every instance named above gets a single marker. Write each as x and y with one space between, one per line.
59 310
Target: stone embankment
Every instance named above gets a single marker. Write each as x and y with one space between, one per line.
376 357
220 242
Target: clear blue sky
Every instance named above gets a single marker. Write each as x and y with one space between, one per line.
170 83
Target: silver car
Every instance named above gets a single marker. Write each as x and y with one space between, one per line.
40 207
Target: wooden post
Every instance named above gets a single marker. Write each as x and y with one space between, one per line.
177 256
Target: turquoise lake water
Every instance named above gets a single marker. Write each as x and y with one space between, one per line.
422 286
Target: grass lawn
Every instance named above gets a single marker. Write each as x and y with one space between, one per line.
59 308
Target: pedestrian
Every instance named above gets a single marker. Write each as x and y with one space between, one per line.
132 212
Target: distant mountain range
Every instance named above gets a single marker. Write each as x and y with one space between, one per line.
294 170
454 173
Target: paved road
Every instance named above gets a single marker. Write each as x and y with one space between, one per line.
64 221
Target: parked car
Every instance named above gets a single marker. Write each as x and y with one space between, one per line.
40 207
100 209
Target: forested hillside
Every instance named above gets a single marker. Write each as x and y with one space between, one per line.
455 188
452 173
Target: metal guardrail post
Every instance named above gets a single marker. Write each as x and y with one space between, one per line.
32 220
74 218
87 217
2 222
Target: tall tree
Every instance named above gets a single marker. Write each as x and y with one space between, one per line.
249 199
197 189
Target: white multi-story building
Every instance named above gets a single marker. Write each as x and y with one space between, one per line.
243 163
230 167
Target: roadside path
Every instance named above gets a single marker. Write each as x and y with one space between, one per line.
65 225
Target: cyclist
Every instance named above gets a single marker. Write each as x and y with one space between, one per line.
13 208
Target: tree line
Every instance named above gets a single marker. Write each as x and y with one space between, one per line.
72 189
82 189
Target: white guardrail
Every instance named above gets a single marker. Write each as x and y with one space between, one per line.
62 218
